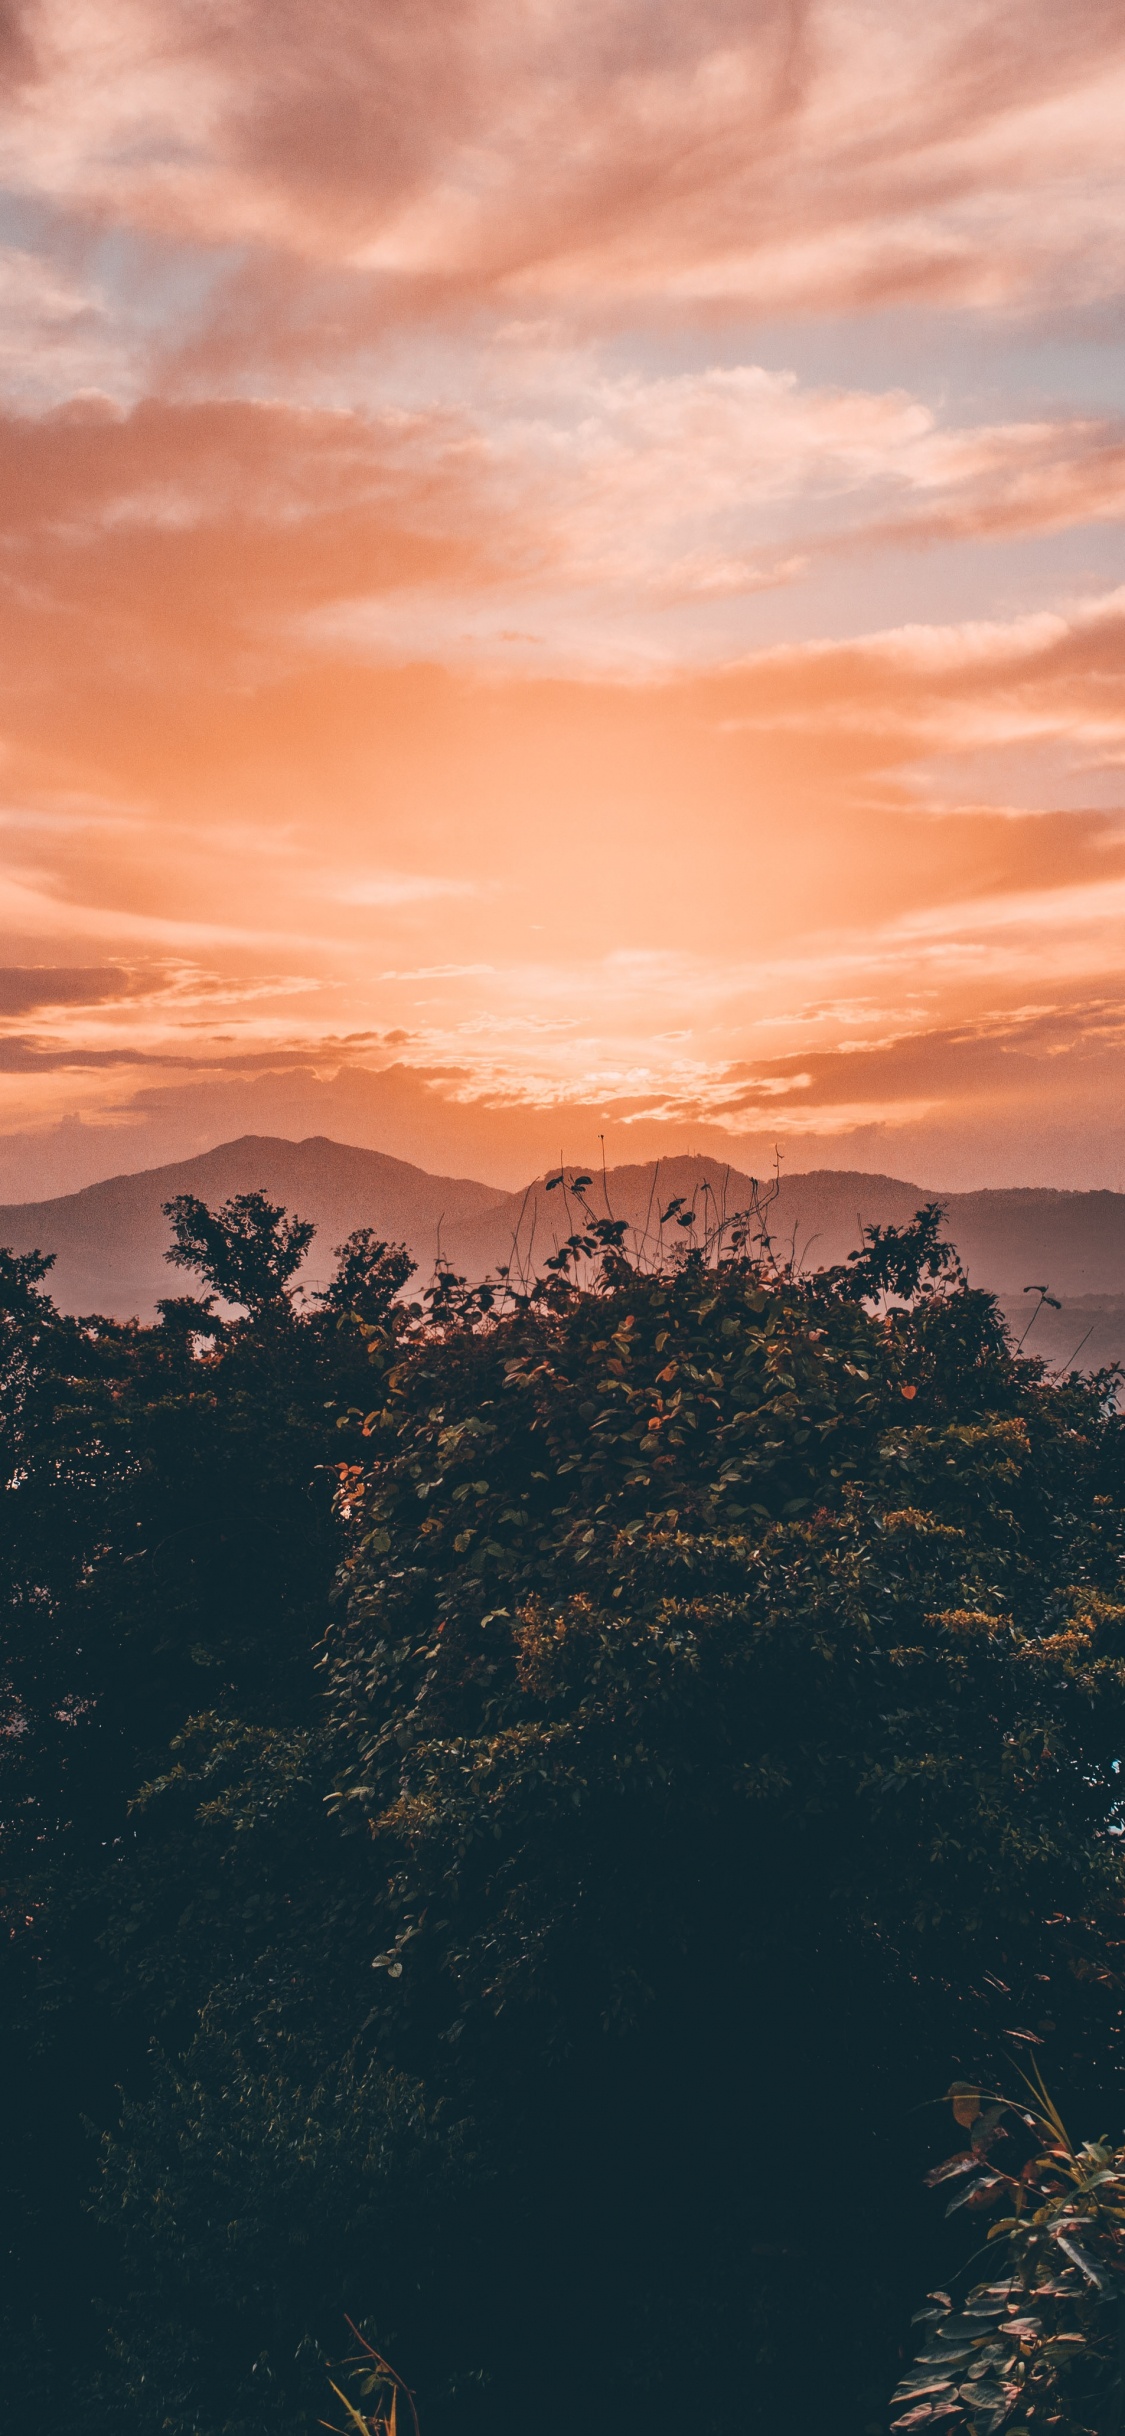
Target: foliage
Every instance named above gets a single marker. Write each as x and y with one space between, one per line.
166 1566
378 2387
732 1686
248 1250
1039 2345
544 1938
369 1273
605 1534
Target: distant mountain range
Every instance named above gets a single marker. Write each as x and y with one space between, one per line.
110 1238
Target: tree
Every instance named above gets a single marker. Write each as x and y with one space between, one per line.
733 1686
166 1567
248 1250
369 1274
726 1684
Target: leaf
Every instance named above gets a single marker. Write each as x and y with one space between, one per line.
988 2128
965 2162
1082 2259
977 2193
353 2414
926 2412
966 2103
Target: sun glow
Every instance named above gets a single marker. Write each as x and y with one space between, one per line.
557 589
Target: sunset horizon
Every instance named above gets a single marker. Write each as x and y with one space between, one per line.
562 1217
562 584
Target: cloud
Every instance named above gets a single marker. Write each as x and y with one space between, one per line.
580 521
442 972
24 988
225 502
1018 1095
22 1054
58 333
402 888
1029 1072
703 851
431 610
1051 673
808 152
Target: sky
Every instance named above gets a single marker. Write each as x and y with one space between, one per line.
561 583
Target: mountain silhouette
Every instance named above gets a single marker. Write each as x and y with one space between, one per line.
110 1238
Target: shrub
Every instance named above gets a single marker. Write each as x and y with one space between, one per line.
731 1683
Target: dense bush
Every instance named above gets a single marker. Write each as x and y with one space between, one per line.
168 1552
726 1684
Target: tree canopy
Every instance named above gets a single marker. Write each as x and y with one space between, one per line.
522 1796
248 1250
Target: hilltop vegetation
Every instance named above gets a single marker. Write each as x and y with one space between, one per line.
515 1802
110 1238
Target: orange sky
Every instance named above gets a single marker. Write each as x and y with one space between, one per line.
562 575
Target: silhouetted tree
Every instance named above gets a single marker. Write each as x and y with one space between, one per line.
248 1250
168 1551
369 1273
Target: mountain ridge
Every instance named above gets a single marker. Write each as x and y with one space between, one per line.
109 1238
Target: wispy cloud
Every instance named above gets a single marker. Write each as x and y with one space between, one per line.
401 888
813 152
580 521
564 556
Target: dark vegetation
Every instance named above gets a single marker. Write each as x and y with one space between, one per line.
1037 2341
514 1802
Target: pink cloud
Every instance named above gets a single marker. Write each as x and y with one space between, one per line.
575 523
425 698
810 154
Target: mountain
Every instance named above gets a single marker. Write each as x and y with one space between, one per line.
1005 1238
1071 1242
110 1238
